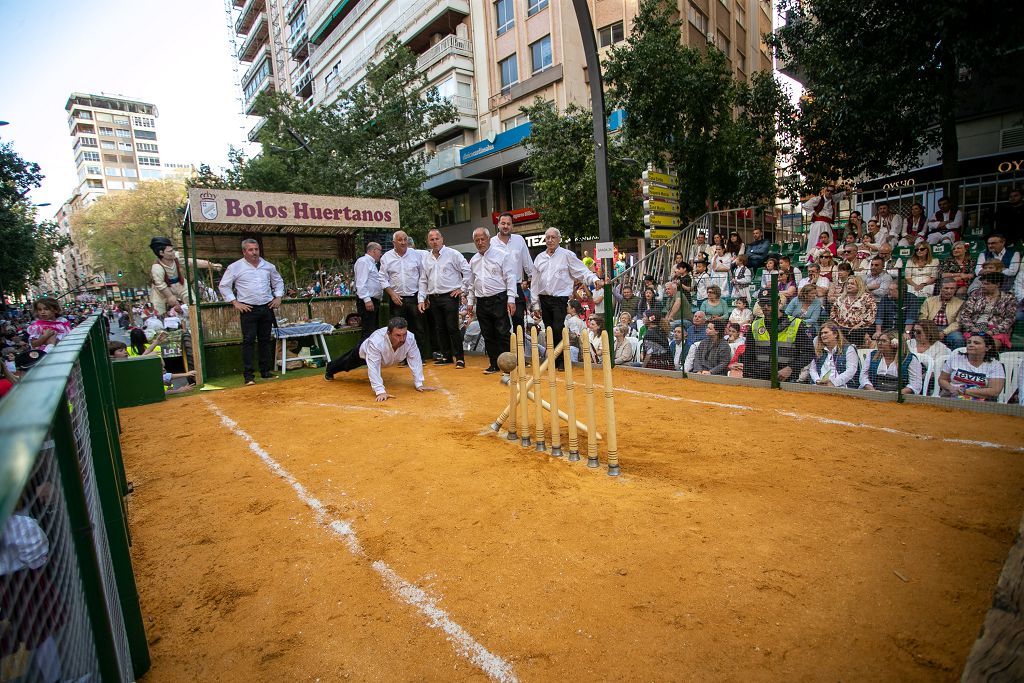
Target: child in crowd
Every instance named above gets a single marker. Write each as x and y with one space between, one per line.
48 328
741 314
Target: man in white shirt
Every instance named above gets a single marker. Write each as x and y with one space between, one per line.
998 251
877 280
387 346
442 281
554 272
401 268
946 224
491 293
254 287
516 246
699 246
370 285
814 277
892 224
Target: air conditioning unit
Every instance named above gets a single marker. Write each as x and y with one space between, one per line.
1011 138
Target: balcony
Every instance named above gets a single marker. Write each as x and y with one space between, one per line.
527 87
450 45
290 10
247 16
82 127
442 161
250 101
257 62
257 39
302 81
465 108
298 44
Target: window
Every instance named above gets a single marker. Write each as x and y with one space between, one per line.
106 131
766 7
534 6
452 87
109 158
506 16
86 115
540 54
147 147
105 118
113 171
122 133
87 142
697 18
145 135
124 146
121 120
151 173
453 210
93 170
149 161
98 184
115 185
523 194
254 84
741 14
107 144
517 120
723 43
131 173
741 61
509 72
610 34
144 123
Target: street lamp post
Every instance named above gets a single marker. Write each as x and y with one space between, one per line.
604 212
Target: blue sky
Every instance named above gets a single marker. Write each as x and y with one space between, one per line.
173 53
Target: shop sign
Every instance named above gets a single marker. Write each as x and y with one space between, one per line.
523 215
275 208
1012 165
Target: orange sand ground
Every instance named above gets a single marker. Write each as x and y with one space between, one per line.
736 545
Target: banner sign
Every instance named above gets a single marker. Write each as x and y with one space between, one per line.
275 208
523 215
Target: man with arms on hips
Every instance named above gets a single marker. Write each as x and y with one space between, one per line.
401 268
167 276
516 246
442 281
254 287
387 346
491 294
554 271
370 285
824 210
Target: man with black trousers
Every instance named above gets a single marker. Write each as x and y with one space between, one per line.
254 287
401 268
442 281
555 271
516 246
492 292
370 285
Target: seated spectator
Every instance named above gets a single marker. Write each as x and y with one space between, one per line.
712 358
787 286
992 266
998 251
794 347
855 224
141 346
814 277
741 314
836 362
678 258
720 265
699 246
786 265
740 278
848 254
854 311
117 349
648 303
677 348
943 312
626 320
586 300
771 266
575 322
594 338
737 346
825 244
49 327
684 280
628 301
655 344
624 351
886 317
945 226
757 249
916 226
878 373
700 328
889 264
877 280
973 373
675 307
806 306
734 245
989 311
926 340
959 269
714 307
828 267
892 224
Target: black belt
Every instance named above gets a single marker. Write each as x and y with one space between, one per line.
408 296
443 294
255 305
492 296
563 297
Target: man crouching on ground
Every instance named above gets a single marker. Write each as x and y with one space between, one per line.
386 347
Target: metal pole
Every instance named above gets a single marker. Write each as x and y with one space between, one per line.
773 331
901 319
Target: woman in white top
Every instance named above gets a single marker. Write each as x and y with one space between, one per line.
921 274
925 340
974 372
771 265
835 362
624 352
741 314
721 264
880 371
594 332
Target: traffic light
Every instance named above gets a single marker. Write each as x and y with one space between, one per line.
120 273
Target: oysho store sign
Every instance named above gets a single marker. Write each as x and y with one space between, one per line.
276 208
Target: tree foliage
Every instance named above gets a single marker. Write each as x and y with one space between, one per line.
28 247
363 144
885 79
117 228
561 161
682 106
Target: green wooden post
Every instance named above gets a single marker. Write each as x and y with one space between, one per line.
773 332
901 319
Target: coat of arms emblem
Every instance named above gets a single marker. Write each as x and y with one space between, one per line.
208 206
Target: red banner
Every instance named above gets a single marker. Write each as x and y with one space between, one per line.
524 215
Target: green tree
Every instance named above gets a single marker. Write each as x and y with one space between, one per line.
685 108
561 162
117 228
28 246
885 80
364 144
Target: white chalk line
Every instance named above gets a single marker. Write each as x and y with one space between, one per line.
466 646
340 406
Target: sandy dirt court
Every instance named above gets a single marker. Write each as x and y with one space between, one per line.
298 531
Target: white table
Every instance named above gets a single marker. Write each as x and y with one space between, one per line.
317 330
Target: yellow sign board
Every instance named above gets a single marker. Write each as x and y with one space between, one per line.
652 220
661 178
657 234
661 192
661 205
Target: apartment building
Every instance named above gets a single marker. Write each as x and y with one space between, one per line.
114 143
490 57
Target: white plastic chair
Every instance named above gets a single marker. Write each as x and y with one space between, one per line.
1011 361
937 366
862 355
926 372
637 348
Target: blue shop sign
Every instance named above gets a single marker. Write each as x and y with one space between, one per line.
502 141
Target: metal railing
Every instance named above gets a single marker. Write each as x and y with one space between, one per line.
444 159
257 27
450 44
71 608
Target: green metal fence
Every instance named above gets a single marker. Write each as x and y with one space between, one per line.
69 608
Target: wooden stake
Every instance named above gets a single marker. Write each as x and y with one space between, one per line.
556 426
538 423
523 407
609 406
574 446
513 347
588 387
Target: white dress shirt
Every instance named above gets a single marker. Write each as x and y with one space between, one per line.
444 273
376 350
491 273
954 220
554 274
255 285
520 254
893 225
402 272
370 283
